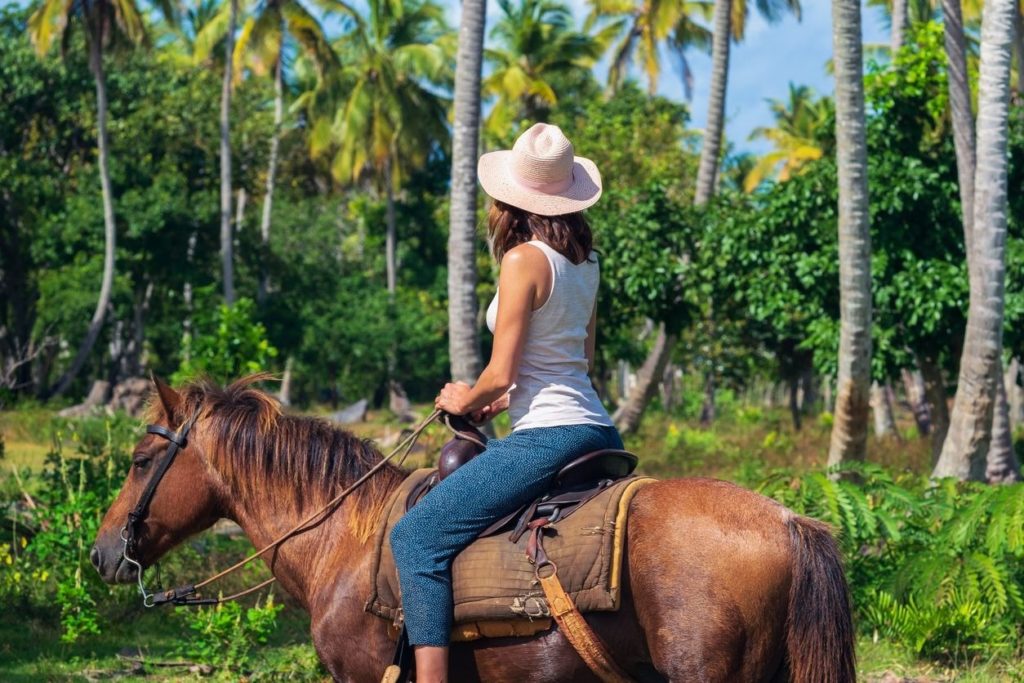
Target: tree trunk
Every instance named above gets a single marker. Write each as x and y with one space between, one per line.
962 115
226 240
463 332
109 231
849 428
913 384
709 409
938 403
1019 24
794 402
1001 465
899 26
627 417
268 197
391 236
285 394
186 295
809 389
711 149
1015 397
964 452
707 173
881 407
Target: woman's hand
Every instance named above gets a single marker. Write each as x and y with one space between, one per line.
489 411
454 398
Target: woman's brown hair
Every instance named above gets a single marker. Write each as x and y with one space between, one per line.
509 226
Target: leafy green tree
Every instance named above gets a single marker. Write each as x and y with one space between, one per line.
103 23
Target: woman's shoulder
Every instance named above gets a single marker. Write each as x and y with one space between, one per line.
524 255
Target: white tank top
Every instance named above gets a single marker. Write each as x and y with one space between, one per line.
553 386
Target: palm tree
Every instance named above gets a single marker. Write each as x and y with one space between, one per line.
796 136
642 29
729 21
849 429
534 42
970 431
262 41
104 23
463 334
227 258
391 117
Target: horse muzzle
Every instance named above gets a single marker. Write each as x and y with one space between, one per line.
111 565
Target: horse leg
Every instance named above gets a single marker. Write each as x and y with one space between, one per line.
709 565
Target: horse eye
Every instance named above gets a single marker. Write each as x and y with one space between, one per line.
140 462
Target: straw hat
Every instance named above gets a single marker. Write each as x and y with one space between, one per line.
540 174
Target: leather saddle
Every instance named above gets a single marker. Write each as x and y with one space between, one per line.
574 485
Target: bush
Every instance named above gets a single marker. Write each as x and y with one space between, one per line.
936 567
230 344
226 634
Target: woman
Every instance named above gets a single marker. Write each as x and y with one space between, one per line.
543 319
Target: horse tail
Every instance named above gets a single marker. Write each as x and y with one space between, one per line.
819 628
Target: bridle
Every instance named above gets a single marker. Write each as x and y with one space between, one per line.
130 530
188 593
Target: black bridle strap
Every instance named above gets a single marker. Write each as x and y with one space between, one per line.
178 441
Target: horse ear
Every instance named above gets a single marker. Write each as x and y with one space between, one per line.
169 398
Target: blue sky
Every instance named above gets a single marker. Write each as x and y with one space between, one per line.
761 67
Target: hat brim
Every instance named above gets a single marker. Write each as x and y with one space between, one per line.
494 171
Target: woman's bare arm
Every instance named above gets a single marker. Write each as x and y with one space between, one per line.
524 283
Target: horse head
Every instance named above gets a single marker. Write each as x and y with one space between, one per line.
185 500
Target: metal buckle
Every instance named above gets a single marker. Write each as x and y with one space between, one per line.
147 597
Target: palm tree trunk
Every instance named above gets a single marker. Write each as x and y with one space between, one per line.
226 242
647 382
881 407
899 26
970 432
268 197
1019 22
849 428
707 171
109 228
391 231
463 333
913 385
1001 465
1014 394
935 394
962 115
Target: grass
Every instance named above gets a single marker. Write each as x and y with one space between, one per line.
743 444
142 646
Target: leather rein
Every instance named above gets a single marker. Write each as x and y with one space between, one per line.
188 594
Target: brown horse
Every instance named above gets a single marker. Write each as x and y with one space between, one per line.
721 584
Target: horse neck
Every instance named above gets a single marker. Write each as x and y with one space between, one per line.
308 561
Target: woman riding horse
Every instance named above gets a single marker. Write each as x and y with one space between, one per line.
543 318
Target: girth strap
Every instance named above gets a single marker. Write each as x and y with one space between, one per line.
571 623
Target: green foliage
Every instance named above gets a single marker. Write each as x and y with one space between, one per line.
226 635
228 345
45 563
935 567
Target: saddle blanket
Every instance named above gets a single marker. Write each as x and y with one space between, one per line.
494 582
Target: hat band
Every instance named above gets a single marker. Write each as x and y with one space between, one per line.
550 187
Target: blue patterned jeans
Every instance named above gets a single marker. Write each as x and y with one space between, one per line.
510 473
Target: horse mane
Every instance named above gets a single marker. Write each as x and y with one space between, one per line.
272 459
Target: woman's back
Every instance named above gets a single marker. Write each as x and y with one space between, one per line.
553 386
